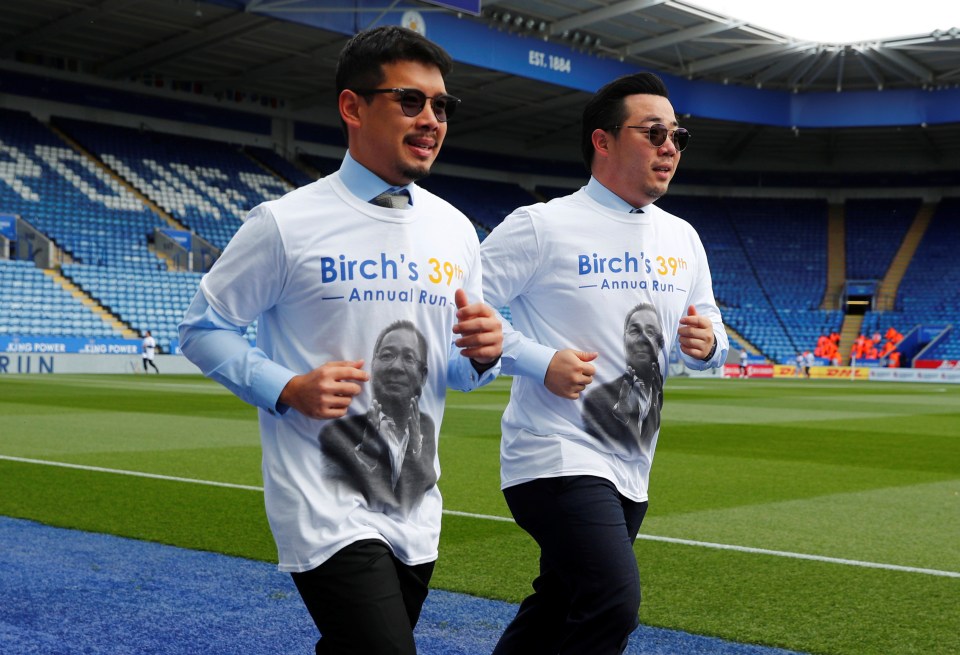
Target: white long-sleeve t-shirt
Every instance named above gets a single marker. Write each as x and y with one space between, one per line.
571 271
325 273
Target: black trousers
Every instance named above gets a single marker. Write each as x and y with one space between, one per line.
586 598
365 601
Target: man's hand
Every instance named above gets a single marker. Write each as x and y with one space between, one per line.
373 413
325 392
628 400
481 336
413 426
569 373
696 334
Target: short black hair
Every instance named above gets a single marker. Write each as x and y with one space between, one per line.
361 61
606 108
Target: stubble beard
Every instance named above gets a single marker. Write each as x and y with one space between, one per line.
415 173
656 192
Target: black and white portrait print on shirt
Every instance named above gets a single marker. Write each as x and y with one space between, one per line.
386 455
624 414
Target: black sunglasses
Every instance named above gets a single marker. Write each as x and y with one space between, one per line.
412 102
658 133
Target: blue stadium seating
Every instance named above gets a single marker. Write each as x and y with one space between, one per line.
281 166
323 165
874 232
32 304
70 199
768 256
104 228
768 261
930 290
551 192
154 301
486 202
208 186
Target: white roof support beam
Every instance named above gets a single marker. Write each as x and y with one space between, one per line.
746 54
840 63
885 65
802 70
868 66
689 34
821 66
785 64
905 63
604 13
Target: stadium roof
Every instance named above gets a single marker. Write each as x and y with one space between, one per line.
680 38
829 21
286 50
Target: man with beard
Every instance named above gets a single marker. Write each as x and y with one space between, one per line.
322 269
592 278
383 454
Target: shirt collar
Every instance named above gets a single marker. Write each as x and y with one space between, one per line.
363 183
606 197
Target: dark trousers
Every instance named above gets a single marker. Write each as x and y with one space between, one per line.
587 596
364 600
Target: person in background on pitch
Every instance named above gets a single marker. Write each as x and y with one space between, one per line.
600 284
326 270
149 349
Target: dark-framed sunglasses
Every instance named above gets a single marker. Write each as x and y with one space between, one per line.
412 102
658 133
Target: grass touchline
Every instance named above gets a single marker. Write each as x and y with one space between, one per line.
489 517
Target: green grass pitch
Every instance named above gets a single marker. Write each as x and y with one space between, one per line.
854 473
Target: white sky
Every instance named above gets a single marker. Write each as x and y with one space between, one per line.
841 21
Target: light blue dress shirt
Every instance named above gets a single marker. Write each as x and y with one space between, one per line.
608 198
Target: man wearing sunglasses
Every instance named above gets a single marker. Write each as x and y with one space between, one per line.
323 270
601 284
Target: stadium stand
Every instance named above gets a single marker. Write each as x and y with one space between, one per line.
279 166
91 216
486 202
323 165
874 230
207 186
154 301
104 228
32 304
768 255
930 291
550 192
768 260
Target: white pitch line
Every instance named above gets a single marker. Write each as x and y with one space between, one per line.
491 517
485 517
136 474
817 558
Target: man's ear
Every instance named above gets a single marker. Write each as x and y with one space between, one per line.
349 105
601 142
